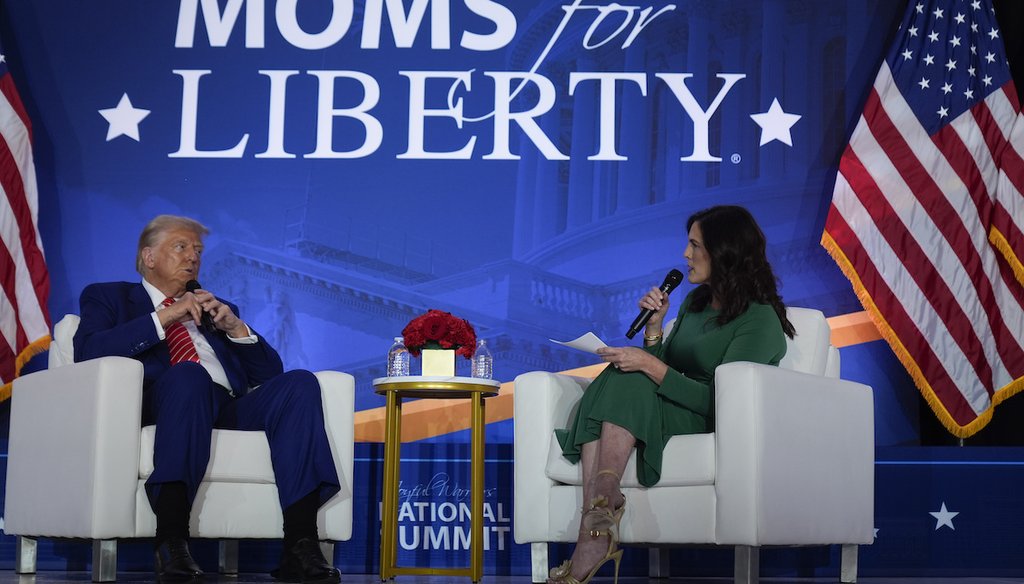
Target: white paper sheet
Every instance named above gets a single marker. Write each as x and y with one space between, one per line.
588 342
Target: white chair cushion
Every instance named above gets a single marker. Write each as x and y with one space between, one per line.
62 348
809 351
698 450
236 456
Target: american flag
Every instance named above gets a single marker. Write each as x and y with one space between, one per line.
927 213
24 280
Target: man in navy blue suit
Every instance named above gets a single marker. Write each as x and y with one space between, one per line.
197 377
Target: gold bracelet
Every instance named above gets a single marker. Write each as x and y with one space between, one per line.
653 338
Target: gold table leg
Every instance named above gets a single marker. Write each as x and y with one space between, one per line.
476 563
389 499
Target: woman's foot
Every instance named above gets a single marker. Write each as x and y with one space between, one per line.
597 543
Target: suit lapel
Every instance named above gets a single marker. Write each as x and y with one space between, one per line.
139 302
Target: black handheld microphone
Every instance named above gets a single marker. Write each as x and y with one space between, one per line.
207 318
672 279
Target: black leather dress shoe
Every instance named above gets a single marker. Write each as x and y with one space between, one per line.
174 563
305 563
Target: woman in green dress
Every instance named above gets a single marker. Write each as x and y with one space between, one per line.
667 388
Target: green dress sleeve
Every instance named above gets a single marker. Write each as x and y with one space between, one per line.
754 336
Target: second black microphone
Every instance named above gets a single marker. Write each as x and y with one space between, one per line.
672 279
207 318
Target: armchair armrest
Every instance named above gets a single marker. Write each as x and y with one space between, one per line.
338 393
543 402
73 461
794 457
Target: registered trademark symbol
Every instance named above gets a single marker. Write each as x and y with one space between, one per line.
735 158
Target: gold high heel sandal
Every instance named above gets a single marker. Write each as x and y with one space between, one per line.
598 521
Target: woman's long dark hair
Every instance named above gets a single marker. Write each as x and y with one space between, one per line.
740 272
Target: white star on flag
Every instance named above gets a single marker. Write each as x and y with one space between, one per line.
124 119
775 124
944 517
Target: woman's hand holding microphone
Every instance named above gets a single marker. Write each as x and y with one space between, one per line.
630 359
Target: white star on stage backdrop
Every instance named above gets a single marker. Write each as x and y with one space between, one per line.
944 517
124 119
775 124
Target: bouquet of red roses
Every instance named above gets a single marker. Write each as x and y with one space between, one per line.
437 329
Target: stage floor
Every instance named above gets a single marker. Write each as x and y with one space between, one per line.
9 577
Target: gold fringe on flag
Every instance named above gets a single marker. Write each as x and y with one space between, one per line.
38 346
998 240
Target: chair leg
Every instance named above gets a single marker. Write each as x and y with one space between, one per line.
848 564
658 564
25 555
327 548
539 562
227 556
747 564
104 560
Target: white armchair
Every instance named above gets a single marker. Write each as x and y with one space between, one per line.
791 462
79 459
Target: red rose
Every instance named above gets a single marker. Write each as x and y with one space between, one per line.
437 328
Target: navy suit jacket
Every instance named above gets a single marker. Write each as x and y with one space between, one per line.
116 321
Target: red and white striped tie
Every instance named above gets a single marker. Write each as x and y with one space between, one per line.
179 343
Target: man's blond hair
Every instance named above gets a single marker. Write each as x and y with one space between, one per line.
155 229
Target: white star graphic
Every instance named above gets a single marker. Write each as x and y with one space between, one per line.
907 55
950 65
919 8
970 71
923 83
959 18
947 88
124 119
913 31
943 112
3 58
775 124
974 27
969 94
944 517
976 4
991 57
974 50
987 80
933 36
955 41
938 13
993 34
875 535
929 59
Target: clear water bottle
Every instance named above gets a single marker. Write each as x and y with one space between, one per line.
483 362
398 359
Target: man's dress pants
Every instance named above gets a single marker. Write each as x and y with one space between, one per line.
186 405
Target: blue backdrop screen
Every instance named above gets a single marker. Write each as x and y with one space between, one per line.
528 166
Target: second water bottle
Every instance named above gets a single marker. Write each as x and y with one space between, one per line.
398 359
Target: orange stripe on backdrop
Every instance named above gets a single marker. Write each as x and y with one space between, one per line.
428 418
